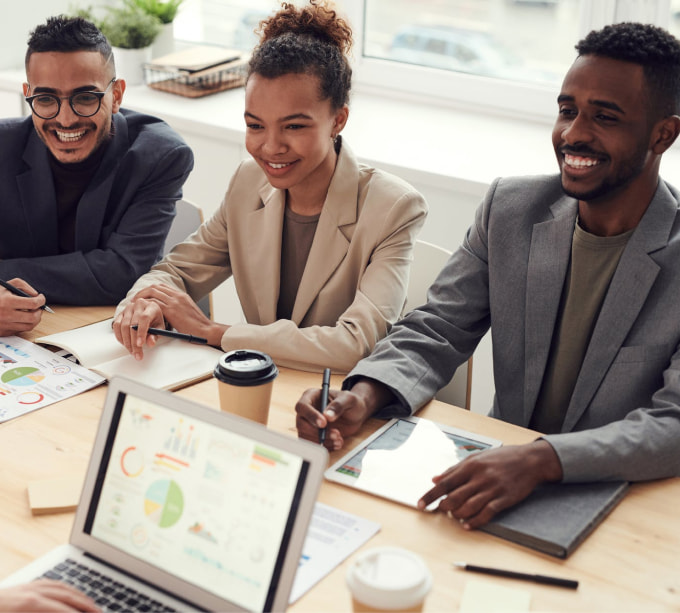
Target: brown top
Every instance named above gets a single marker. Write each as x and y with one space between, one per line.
298 234
593 262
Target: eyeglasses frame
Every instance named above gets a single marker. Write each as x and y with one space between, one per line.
99 95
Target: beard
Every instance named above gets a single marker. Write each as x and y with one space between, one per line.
628 171
103 136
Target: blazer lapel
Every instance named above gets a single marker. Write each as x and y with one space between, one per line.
93 203
330 243
38 200
264 237
628 290
549 257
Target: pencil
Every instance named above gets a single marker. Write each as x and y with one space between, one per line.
19 292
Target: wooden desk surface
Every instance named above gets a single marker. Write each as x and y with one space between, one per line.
630 563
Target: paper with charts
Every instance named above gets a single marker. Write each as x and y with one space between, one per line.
32 377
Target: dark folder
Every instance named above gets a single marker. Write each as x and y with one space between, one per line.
557 517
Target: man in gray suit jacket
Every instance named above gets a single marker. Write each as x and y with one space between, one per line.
87 190
578 277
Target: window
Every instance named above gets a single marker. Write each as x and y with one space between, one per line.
504 56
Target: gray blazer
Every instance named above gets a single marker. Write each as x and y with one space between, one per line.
623 421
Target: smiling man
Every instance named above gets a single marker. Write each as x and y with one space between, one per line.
578 277
88 190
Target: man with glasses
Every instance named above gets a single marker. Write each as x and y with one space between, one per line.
88 190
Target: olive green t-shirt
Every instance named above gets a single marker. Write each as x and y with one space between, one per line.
298 234
593 262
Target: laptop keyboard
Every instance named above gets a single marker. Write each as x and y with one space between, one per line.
109 594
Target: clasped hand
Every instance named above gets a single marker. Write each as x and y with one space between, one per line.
154 307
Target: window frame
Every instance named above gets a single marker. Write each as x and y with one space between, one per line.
482 94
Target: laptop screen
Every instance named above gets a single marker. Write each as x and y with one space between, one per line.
205 504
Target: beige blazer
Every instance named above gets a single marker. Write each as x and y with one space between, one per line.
353 287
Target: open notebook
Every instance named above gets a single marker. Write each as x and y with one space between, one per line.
187 508
171 364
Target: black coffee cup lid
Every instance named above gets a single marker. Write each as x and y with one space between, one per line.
245 367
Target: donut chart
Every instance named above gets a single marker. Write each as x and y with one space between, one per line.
22 376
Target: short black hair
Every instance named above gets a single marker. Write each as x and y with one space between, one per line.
66 34
656 50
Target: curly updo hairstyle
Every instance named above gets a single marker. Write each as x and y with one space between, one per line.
311 40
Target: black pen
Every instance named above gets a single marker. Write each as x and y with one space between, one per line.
511 574
19 292
325 384
172 334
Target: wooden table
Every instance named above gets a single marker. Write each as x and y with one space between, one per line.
630 563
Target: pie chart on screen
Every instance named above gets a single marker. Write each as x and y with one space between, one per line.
22 376
164 502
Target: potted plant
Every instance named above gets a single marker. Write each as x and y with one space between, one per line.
130 31
165 11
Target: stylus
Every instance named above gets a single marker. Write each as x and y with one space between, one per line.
325 384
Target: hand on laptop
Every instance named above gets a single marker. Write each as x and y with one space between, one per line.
44 596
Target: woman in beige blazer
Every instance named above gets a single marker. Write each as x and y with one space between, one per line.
319 245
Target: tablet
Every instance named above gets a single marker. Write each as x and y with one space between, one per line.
403 468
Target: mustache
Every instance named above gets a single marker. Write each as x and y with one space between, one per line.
55 125
580 150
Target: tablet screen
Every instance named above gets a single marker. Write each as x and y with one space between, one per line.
403 456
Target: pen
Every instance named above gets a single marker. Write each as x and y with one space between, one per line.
570 583
172 334
19 292
325 384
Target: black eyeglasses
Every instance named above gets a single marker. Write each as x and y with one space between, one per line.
83 104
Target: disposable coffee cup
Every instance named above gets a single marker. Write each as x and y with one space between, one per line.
388 579
245 378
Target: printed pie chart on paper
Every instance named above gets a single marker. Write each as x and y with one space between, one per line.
22 376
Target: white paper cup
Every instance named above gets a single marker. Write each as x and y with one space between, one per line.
245 379
388 579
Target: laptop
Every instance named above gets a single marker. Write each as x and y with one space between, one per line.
186 508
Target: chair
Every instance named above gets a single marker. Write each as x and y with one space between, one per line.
428 260
188 217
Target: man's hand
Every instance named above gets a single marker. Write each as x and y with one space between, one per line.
345 413
44 596
19 314
488 482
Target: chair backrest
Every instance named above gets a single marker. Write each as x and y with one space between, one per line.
188 217
428 260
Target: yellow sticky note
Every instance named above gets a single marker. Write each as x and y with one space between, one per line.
54 495
488 597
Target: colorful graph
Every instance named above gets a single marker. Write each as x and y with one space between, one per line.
164 503
132 462
22 375
30 398
181 440
198 529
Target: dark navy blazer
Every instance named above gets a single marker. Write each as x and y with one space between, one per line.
121 221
